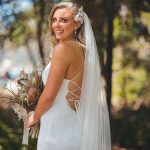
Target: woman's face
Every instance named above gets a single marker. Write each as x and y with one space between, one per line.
63 24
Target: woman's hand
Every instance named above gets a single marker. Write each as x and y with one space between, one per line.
30 120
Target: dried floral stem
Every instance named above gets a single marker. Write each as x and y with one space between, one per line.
30 87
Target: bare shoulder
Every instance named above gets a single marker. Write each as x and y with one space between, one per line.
66 46
65 50
62 49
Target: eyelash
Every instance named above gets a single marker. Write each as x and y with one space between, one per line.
62 20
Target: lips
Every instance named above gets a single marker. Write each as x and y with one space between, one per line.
58 31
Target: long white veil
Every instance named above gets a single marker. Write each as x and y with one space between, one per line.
93 111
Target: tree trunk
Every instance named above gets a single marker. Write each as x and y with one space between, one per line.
39 31
40 21
108 72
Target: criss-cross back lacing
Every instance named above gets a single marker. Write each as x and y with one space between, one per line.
75 99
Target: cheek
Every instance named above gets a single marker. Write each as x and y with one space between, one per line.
71 31
52 26
69 28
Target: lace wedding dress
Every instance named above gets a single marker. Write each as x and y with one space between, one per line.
59 128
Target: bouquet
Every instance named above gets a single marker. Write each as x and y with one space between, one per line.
25 100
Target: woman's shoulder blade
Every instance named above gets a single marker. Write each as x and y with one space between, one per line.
63 52
66 48
62 48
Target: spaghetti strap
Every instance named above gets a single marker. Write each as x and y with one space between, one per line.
76 75
75 97
75 84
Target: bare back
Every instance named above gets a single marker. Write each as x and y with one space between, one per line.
74 56
75 74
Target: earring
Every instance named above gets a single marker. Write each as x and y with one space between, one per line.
75 31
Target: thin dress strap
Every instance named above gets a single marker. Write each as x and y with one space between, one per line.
76 76
75 98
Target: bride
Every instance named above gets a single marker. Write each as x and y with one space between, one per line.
72 109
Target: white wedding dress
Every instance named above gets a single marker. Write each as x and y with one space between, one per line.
59 129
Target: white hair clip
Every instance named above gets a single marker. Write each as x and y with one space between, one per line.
79 15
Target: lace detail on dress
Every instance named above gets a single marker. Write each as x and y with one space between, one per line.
75 98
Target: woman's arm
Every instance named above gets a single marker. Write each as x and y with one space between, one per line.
59 65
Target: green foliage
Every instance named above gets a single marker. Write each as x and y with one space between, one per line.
131 76
131 55
131 82
22 31
11 132
131 128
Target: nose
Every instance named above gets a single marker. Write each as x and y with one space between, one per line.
57 23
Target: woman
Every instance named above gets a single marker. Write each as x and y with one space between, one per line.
72 109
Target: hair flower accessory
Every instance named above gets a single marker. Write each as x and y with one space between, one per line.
79 15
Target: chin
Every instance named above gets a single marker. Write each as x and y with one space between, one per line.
60 39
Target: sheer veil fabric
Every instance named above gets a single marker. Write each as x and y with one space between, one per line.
93 111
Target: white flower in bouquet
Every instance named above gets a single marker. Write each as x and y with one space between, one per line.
19 110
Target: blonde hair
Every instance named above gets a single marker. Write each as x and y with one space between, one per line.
80 32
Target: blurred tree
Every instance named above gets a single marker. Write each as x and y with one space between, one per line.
131 74
27 26
41 12
130 34
108 68
9 137
131 128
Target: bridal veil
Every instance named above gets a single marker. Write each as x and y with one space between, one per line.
93 111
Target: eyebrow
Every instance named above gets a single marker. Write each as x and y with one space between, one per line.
63 17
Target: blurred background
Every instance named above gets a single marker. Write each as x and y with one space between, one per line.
122 31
